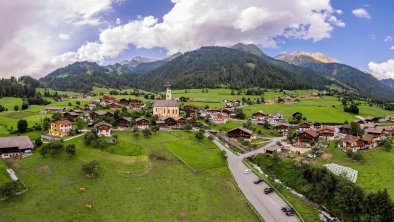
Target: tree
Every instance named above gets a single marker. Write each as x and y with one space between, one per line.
16 108
91 168
52 148
89 138
187 127
355 129
71 149
38 141
80 123
25 105
199 135
56 117
348 201
388 144
379 207
46 124
22 125
146 132
239 113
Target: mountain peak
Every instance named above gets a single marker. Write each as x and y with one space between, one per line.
250 48
300 57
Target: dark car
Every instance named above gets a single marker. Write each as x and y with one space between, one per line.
286 209
290 213
268 190
259 180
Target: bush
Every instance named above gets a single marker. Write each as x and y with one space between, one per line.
199 135
146 132
91 168
8 189
38 141
52 148
70 149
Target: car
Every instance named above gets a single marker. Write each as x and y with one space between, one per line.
268 190
259 180
286 208
290 213
247 171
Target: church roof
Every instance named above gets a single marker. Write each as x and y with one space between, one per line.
165 103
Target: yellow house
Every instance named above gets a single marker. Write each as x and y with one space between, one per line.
167 107
60 128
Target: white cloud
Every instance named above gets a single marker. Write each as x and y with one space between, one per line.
382 70
64 36
118 21
388 39
32 38
194 23
361 13
392 47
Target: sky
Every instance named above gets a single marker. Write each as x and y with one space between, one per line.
36 37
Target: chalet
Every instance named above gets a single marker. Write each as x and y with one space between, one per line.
136 106
304 126
171 122
220 118
281 128
260 116
345 129
90 106
239 133
142 123
123 122
326 132
370 125
387 131
184 99
180 122
314 95
103 129
109 99
54 110
124 102
190 110
316 125
15 145
307 136
233 103
71 115
377 133
162 124
371 119
278 118
272 149
229 111
115 106
389 118
60 128
352 142
369 140
103 114
212 111
191 121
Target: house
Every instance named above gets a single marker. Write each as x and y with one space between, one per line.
229 111
314 95
278 118
15 145
142 123
239 133
171 122
304 126
272 149
191 121
371 119
123 122
136 106
326 132
370 125
389 118
307 136
90 106
54 110
316 125
352 142
109 99
124 102
60 128
115 106
71 115
345 129
103 129
190 110
377 133
220 118
260 116
281 128
369 140
167 107
162 124
103 114
387 131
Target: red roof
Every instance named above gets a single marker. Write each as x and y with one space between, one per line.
326 128
64 122
311 132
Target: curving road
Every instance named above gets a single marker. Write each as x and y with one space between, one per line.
268 206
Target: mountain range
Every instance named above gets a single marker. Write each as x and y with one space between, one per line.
241 66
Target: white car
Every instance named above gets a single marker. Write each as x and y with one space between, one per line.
247 171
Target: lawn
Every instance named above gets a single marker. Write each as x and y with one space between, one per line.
3 173
376 171
198 156
168 191
11 102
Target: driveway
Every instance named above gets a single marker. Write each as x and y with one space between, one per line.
268 206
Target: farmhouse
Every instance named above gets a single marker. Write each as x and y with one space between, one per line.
260 116
345 129
352 142
307 136
103 129
123 122
375 132
181 122
304 126
60 128
109 99
15 145
124 102
115 106
371 119
240 133
272 149
369 140
90 106
278 118
281 128
161 124
103 114
326 132
317 125
142 123
190 110
54 110
220 118
389 118
167 107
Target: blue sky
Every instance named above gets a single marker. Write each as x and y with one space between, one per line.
358 33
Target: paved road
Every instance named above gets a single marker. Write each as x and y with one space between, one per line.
268 206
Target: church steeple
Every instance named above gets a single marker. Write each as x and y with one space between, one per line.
168 92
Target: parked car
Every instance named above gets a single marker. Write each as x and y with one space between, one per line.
290 213
286 208
259 180
247 171
268 190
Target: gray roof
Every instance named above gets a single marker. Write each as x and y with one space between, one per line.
22 142
272 148
165 103
102 123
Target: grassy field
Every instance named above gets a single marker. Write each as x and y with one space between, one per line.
374 173
3 173
168 191
11 102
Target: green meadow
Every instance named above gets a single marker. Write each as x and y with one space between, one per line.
375 172
143 186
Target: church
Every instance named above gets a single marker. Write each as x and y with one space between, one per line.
167 107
